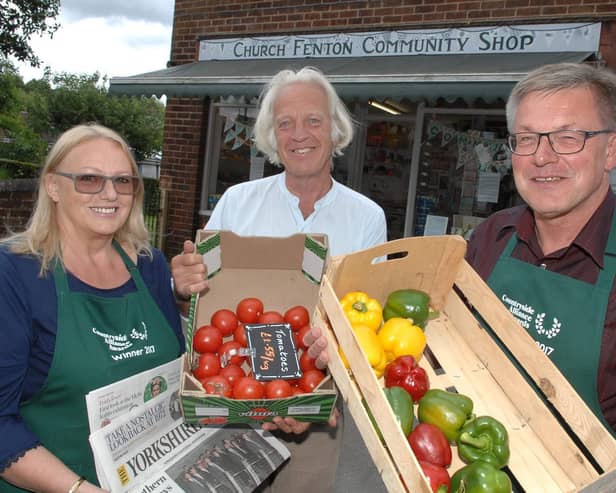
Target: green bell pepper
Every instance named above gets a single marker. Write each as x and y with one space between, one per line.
373 421
402 405
408 303
480 477
485 439
447 410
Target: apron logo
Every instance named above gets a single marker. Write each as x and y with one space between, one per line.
526 316
541 330
124 345
121 342
141 336
524 313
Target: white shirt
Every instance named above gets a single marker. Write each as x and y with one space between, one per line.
265 207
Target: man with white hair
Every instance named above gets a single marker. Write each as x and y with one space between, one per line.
301 124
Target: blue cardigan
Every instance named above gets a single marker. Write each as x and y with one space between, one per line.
28 314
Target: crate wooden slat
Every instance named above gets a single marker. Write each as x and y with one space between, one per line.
371 392
544 456
558 390
348 388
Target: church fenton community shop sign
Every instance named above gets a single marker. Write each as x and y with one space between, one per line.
503 39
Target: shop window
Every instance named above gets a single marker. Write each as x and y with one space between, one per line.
464 173
231 155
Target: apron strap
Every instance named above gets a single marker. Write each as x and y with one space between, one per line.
130 265
61 280
59 276
606 275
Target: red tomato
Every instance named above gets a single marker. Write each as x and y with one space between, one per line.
310 380
217 385
249 310
296 390
209 365
271 317
307 363
231 347
248 388
239 335
278 389
298 337
293 382
232 373
207 339
297 317
225 320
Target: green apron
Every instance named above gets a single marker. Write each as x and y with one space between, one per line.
99 340
565 316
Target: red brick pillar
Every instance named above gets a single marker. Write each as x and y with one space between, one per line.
182 168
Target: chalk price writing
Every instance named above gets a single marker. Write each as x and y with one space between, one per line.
273 352
269 352
283 355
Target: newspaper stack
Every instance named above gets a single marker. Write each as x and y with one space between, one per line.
142 445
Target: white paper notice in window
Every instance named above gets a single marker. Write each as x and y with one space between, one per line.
488 186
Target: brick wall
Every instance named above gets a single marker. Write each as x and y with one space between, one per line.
185 123
195 20
17 199
182 168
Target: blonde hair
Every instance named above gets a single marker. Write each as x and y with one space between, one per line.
265 137
41 237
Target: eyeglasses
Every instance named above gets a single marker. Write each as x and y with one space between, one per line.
91 183
561 141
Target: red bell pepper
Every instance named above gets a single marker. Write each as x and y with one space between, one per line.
430 444
406 373
438 477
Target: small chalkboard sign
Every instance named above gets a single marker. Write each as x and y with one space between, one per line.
273 353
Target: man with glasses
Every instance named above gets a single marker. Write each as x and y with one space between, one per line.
554 258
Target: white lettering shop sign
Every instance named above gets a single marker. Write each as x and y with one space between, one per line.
504 39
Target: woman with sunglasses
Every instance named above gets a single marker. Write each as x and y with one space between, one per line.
84 301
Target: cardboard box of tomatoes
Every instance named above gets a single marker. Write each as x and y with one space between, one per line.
263 290
463 359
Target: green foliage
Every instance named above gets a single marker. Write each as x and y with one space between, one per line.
20 20
10 83
34 114
84 98
21 148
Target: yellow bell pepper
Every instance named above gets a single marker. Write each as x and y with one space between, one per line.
399 337
371 347
363 310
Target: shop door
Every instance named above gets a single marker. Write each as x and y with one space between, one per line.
386 168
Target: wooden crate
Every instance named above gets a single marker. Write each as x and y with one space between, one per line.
545 457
